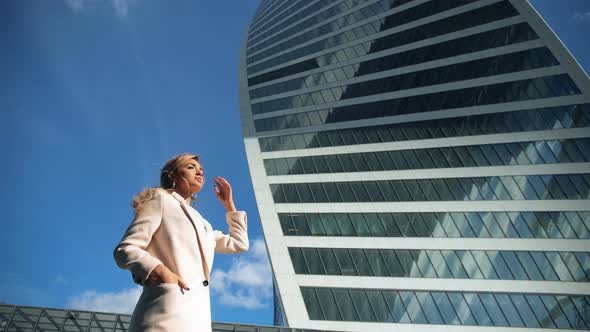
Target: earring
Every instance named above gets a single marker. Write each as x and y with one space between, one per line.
173 184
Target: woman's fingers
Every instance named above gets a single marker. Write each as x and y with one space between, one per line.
222 187
182 284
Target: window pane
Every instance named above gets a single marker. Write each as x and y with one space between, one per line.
477 225
345 305
477 309
439 264
544 265
423 263
446 309
315 224
510 312
404 225
312 304
524 310
398 310
359 298
361 262
328 304
330 225
529 265
376 262
378 305
346 226
500 265
374 224
360 225
555 312
286 224
389 224
540 311
421 229
332 193
455 266
408 263
429 308
304 192
571 312
485 266
346 191
413 308
300 223
462 309
298 261
329 261
393 264
470 264
493 309
346 265
313 261
559 266
514 265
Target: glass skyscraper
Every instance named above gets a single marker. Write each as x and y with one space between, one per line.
419 165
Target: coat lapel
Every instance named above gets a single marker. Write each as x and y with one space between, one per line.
201 236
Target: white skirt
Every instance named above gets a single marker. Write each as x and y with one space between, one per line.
165 307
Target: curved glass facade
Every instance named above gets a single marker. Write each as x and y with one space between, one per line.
419 162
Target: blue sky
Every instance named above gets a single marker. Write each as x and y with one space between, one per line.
95 96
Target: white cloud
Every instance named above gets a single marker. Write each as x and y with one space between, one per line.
248 282
121 302
121 7
581 17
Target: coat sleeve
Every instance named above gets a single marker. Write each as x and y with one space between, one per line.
237 239
130 253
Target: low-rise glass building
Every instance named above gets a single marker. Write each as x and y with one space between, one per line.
32 319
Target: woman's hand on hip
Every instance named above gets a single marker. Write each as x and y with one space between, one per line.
162 275
223 192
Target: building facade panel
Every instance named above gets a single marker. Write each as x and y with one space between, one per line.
419 165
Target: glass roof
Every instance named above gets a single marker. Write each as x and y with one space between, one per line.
24 318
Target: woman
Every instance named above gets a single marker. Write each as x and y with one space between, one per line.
169 248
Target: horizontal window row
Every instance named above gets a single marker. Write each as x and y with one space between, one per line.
537 88
263 9
574 116
272 9
304 21
542 87
486 67
448 308
486 40
487 14
554 225
519 153
368 29
448 264
531 187
283 18
289 37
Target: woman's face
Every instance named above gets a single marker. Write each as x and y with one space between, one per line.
190 176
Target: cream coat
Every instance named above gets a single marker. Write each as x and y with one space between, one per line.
168 231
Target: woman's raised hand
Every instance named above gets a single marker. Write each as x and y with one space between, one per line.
162 275
223 192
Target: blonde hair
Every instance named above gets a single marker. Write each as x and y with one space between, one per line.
166 181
